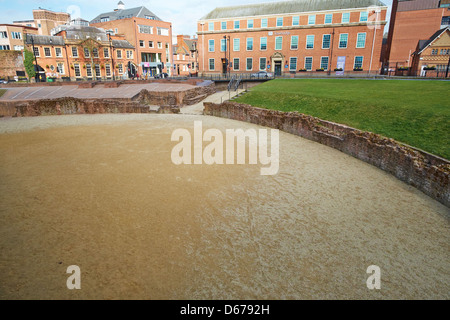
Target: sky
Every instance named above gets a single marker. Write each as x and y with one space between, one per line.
183 14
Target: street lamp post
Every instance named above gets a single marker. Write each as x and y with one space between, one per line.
448 67
112 57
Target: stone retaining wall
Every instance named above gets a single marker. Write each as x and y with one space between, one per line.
426 172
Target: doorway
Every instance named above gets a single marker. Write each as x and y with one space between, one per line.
278 68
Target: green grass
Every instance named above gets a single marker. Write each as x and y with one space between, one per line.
2 92
413 112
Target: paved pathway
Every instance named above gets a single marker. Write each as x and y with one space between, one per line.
98 92
218 97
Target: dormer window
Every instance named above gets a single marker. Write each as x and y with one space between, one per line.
104 19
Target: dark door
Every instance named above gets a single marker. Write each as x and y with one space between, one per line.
278 67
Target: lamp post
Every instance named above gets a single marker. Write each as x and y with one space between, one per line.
112 56
35 59
448 67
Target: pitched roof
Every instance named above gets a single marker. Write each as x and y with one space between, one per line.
122 44
286 7
423 44
191 44
44 40
138 12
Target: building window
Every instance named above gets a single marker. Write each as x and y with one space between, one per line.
18 48
224 25
145 29
106 19
211 45
262 63
310 42
36 52
328 18
4 47
358 62
263 44
74 52
346 17
264 23
211 26
16 35
129 54
312 19
293 64
434 52
120 68
236 63
237 24
249 64
162 31
294 42
60 68
88 71
211 64
95 52
106 52
236 44
223 45
326 41
76 67
324 63
159 45
361 41
308 63
98 72
445 20
108 70
3 35
119 54
116 31
279 21
250 44
47 52
250 24
278 43
87 54
296 21
58 52
364 16
141 44
343 39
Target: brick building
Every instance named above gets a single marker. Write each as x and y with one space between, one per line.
151 37
433 54
12 66
412 21
45 20
290 36
12 36
79 52
185 56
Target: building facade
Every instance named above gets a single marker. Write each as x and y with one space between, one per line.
12 36
151 37
293 36
432 58
185 56
78 53
45 20
412 21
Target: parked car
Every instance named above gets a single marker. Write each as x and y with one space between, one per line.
3 81
262 75
161 76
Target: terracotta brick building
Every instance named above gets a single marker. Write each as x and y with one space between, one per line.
79 52
292 36
433 54
151 37
185 56
412 21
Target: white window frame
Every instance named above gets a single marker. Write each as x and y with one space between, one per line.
290 64
328 62
260 43
49 51
354 61
323 38
266 20
313 42
214 64
278 20
325 18
265 64
246 64
298 38
346 43
211 41
276 43
357 40
311 20
345 14
234 44
312 62
246 44
252 24
60 53
293 20
238 64
75 67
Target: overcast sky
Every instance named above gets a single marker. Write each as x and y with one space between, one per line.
182 14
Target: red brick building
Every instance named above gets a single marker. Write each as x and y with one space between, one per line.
185 56
292 36
151 37
412 21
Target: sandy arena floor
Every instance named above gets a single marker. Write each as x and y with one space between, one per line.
102 193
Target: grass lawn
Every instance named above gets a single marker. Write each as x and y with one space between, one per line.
2 92
413 112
